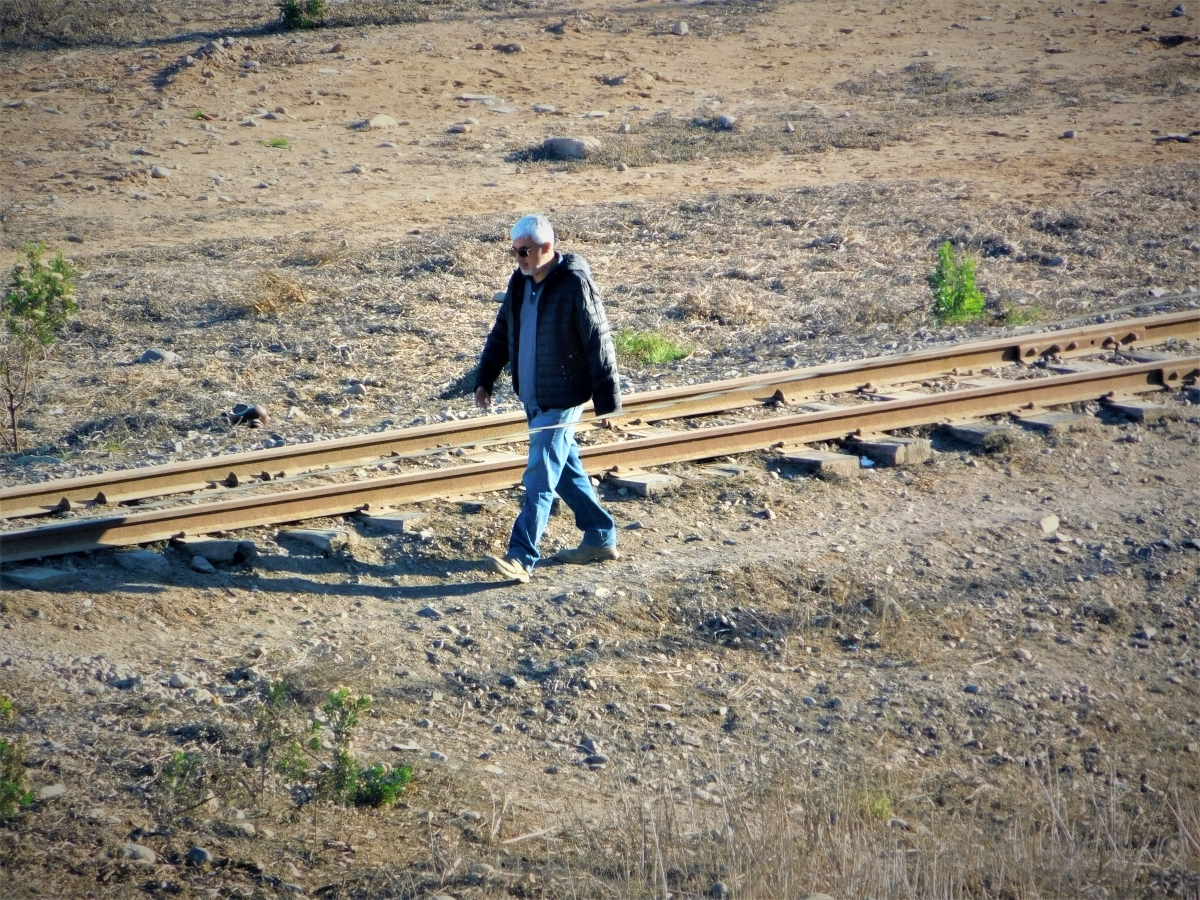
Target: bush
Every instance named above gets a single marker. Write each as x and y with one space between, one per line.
956 299
36 305
648 347
301 14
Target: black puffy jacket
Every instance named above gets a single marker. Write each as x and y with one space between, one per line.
576 360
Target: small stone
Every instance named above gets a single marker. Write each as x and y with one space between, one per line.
720 890
179 681
140 854
1049 524
430 612
1178 11
544 108
1068 134
972 689
726 122
198 856
160 172
158 355
1146 633
679 29
621 167
380 122
199 695
661 707
461 128
789 127
509 48
571 148
437 756
1022 654
50 791
202 565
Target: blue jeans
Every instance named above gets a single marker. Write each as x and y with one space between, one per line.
554 467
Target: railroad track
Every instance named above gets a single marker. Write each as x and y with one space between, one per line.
218 476
880 414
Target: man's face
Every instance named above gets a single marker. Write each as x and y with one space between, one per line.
535 255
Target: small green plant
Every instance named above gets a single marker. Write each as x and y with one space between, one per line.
877 805
198 114
337 777
39 300
956 299
13 792
8 711
277 143
180 780
648 347
301 14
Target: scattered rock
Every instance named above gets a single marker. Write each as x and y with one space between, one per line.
143 562
158 355
140 854
179 681
1022 654
1178 11
199 695
203 566
725 122
680 29
218 550
50 791
160 172
571 148
1049 524
1068 134
430 612
380 122
720 890
544 108
509 48
461 128
437 756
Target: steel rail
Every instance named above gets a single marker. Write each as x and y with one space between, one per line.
128 485
134 528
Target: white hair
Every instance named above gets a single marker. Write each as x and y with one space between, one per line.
536 228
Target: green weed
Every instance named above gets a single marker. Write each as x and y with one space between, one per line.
649 347
198 114
13 792
278 143
956 299
877 806
8 711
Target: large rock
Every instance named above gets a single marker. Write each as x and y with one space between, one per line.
380 122
218 550
571 148
158 355
139 853
143 562
325 541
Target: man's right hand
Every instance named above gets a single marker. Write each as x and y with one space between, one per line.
483 397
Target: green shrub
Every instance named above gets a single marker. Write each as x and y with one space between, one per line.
13 793
648 347
39 300
301 14
278 143
956 299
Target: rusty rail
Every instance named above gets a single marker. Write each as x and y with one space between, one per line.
114 531
121 486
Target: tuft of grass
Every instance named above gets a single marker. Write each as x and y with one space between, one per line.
13 791
278 143
276 293
649 347
1021 315
877 805
956 299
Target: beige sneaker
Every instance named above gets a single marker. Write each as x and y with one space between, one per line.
585 554
511 569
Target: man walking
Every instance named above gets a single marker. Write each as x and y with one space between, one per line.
552 329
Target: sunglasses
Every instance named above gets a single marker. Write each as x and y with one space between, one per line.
522 252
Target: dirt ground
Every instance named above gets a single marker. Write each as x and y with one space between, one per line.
899 684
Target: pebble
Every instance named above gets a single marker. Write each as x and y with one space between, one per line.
544 108
437 756
720 890
143 561
1068 134
1049 524
1178 11
199 695
679 29
140 854
379 122
461 128
179 681
509 48
50 791
1022 654
972 689
160 172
